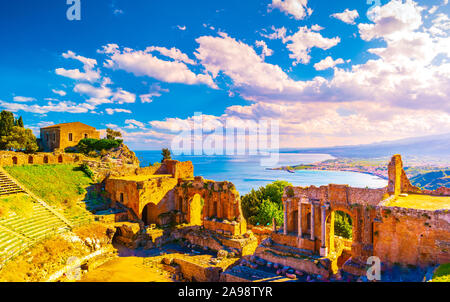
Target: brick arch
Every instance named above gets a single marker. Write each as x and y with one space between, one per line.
60 159
14 160
30 159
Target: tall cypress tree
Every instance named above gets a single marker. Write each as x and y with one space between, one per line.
20 122
6 122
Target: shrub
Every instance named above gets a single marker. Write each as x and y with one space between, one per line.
87 170
87 145
343 225
256 207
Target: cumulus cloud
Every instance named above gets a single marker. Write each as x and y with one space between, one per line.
391 21
266 51
172 53
143 63
296 8
89 74
69 107
59 92
252 77
111 111
328 62
300 43
23 99
347 16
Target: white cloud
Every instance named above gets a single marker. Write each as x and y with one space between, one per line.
59 92
172 53
142 63
181 27
23 99
266 51
297 8
440 25
89 73
148 98
133 124
50 107
328 62
121 96
101 92
392 21
301 43
347 16
111 111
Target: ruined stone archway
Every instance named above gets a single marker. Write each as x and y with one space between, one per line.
150 214
195 215
30 159
45 159
60 159
14 160
339 238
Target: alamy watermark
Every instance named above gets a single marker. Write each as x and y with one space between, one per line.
374 270
202 135
74 10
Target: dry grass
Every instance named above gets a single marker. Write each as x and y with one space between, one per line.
422 202
21 204
41 260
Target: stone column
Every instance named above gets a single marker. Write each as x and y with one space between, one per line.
323 246
274 225
313 213
299 216
285 218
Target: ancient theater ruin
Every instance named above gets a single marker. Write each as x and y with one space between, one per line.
396 235
169 194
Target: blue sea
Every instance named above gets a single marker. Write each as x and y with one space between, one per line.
246 171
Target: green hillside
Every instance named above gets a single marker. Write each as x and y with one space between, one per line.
61 186
432 180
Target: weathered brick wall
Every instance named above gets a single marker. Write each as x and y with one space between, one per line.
410 236
155 192
221 200
58 136
10 158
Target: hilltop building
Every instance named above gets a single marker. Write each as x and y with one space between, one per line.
61 136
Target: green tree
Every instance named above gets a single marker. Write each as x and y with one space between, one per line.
342 225
166 154
20 139
255 204
112 134
20 122
267 211
6 123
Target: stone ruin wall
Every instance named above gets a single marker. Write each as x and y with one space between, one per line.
156 192
11 158
359 203
412 237
396 235
220 201
399 182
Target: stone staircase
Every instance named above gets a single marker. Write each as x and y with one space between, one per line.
18 232
8 186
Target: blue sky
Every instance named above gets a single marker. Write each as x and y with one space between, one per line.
142 66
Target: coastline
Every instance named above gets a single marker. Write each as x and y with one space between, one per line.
316 168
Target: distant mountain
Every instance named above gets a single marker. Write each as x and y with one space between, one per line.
425 146
432 180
